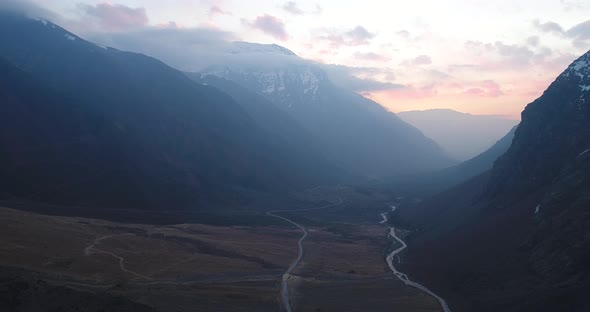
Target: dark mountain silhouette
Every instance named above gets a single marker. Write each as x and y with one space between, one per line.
518 238
463 136
93 126
353 132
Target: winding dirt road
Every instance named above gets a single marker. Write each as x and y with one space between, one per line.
91 249
402 276
287 275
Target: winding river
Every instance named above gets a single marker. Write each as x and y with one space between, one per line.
402 276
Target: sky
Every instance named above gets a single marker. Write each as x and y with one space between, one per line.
474 56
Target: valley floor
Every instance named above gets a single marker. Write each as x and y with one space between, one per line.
190 267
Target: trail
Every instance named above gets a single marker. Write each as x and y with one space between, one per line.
402 276
287 275
91 249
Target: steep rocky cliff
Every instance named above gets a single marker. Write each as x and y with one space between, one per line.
520 239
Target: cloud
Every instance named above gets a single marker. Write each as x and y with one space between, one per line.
419 60
548 27
357 36
188 49
116 17
318 10
216 10
499 55
570 5
293 8
533 41
579 34
270 25
403 33
411 92
486 88
360 79
27 7
580 31
371 56
199 49
514 51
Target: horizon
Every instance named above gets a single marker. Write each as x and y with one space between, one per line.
405 57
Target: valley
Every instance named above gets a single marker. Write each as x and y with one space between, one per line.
215 268
151 159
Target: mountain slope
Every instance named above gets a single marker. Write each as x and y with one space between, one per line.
434 182
299 145
482 162
163 140
518 240
461 135
355 133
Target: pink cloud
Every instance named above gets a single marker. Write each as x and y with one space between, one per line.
485 88
116 17
270 25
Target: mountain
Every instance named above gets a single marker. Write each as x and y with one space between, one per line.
434 182
518 237
93 126
461 135
353 132
240 47
300 147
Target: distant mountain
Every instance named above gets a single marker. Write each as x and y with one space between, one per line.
87 125
482 162
461 135
518 237
353 132
438 181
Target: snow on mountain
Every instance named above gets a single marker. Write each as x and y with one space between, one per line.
580 68
240 47
278 73
286 84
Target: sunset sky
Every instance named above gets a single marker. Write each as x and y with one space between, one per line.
480 57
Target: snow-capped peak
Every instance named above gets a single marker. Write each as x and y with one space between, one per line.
240 47
581 69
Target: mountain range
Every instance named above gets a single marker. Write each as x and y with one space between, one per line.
112 128
109 128
353 132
